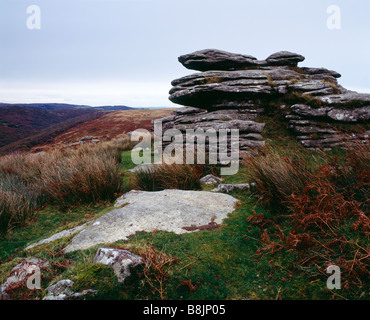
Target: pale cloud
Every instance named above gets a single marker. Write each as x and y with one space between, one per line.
125 51
133 94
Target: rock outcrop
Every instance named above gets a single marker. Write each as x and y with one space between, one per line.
232 91
168 210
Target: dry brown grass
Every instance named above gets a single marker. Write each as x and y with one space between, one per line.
276 177
165 176
108 127
157 266
173 176
326 216
65 178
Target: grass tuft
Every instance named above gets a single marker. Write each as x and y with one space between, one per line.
64 178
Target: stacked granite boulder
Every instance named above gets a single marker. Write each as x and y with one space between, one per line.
331 123
232 90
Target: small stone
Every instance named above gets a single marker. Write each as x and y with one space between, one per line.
87 138
120 260
21 272
61 287
62 291
231 187
210 179
146 167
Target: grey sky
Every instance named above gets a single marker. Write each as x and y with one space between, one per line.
125 51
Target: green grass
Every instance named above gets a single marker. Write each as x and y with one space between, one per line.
65 178
51 220
221 264
126 162
216 264
46 223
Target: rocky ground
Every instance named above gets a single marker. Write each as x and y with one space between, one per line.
175 211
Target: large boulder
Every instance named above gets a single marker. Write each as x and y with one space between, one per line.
283 58
167 210
212 59
204 90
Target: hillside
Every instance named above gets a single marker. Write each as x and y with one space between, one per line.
34 126
62 106
22 128
106 127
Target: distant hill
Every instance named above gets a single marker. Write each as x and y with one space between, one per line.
106 127
24 125
113 108
29 127
21 128
62 106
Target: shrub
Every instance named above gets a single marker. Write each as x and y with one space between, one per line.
351 175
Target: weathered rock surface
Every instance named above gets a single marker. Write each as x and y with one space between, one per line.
316 126
59 235
284 58
215 60
210 179
231 187
21 272
347 97
167 210
62 291
206 89
143 167
121 261
232 89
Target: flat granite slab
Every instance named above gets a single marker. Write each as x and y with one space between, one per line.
177 211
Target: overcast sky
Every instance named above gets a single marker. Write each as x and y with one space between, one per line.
124 52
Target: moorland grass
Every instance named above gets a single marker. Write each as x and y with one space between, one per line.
258 253
64 178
